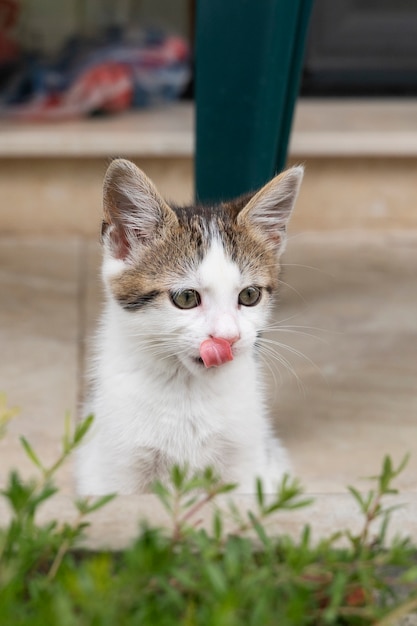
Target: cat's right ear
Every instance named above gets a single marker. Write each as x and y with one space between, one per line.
134 211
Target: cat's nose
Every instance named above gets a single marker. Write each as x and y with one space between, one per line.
225 327
230 340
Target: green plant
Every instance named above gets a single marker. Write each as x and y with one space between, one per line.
192 576
6 414
25 546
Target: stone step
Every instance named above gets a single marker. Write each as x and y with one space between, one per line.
360 158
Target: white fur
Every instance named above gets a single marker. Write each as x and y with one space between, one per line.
150 393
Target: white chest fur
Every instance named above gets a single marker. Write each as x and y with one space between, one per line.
144 406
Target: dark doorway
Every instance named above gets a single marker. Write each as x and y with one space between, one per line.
362 47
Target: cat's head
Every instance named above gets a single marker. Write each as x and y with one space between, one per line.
193 284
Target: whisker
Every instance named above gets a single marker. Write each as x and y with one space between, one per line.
295 332
296 353
287 319
292 350
271 370
309 267
269 351
282 282
279 326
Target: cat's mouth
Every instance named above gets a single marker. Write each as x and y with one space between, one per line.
200 363
215 351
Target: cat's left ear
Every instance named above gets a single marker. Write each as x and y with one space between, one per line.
269 210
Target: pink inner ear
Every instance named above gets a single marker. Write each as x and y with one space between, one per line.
215 351
119 242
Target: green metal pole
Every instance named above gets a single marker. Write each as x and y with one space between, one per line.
248 62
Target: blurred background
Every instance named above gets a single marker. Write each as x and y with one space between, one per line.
83 81
205 91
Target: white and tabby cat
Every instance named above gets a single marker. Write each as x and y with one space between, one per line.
176 373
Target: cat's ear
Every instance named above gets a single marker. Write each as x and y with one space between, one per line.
134 211
269 210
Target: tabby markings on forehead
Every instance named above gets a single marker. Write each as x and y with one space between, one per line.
222 251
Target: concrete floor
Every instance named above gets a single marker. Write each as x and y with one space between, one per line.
348 314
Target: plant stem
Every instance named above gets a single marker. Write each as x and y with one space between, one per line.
63 549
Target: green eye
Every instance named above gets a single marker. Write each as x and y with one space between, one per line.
250 296
186 299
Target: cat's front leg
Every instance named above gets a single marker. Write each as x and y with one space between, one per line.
269 464
100 472
133 470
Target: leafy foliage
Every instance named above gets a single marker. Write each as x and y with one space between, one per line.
190 576
6 414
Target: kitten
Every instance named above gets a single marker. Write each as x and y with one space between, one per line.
177 379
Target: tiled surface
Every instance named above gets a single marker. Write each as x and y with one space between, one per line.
39 336
356 396
349 305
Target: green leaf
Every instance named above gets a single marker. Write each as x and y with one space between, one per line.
364 500
191 501
48 490
227 488
410 575
382 533
358 497
66 439
386 475
163 494
186 580
209 475
305 537
85 506
178 476
260 530
82 428
403 464
217 525
337 592
216 577
287 505
18 492
260 493
31 453
299 504
82 505
235 513
102 501
6 413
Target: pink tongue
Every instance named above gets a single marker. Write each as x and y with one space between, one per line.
215 351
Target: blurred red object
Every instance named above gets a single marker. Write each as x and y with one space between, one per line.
107 87
92 77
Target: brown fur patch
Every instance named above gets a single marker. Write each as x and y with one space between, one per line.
181 248
152 465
